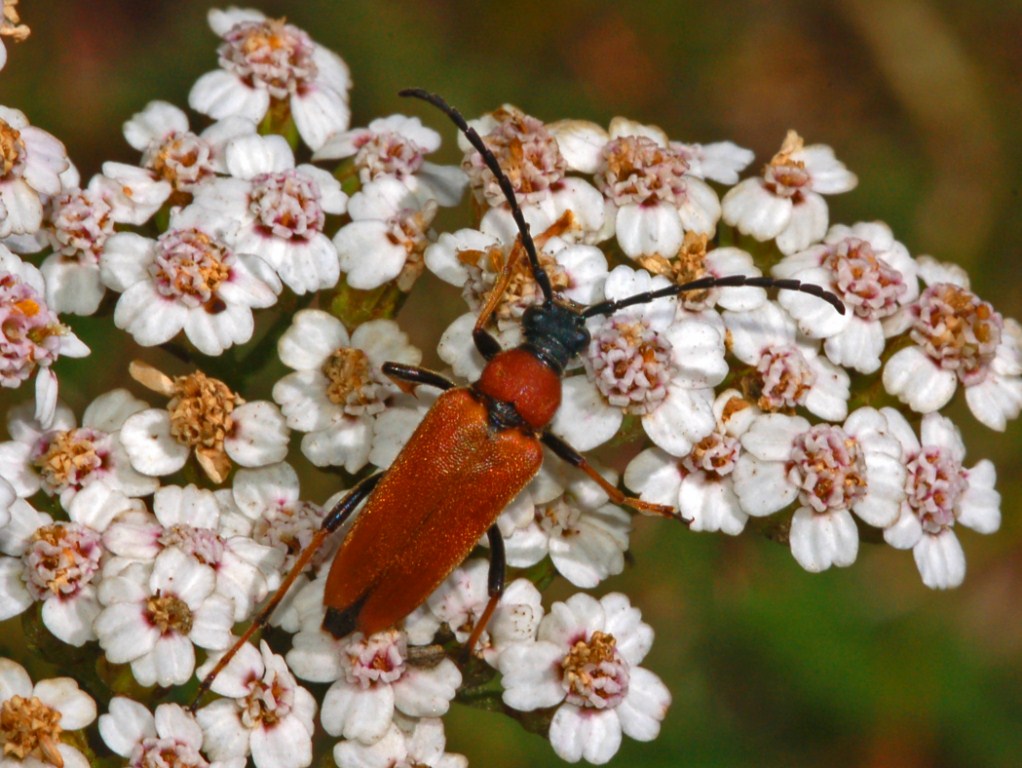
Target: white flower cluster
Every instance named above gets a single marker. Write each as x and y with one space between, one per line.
151 530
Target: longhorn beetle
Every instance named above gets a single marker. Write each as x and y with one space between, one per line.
474 451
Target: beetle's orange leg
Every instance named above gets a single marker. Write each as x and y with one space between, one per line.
408 377
576 459
340 512
494 584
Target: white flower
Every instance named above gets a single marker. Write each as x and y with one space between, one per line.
372 678
700 485
170 737
265 713
720 161
647 360
203 415
394 147
265 62
30 168
386 236
152 617
188 519
831 471
64 459
585 663
31 336
338 387
786 369
409 742
940 492
35 716
462 598
277 211
785 202
958 338
873 275
188 279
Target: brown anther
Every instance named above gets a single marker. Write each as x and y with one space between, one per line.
169 613
200 412
792 143
68 456
585 657
11 147
30 729
348 371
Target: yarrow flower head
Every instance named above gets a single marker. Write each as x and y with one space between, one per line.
31 164
267 62
33 718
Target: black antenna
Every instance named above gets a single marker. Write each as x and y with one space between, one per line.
704 283
538 272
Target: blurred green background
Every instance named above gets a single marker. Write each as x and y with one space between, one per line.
769 665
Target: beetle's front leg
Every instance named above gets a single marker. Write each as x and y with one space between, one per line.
408 377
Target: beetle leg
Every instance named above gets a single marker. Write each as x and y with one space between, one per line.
494 584
576 459
408 377
487 345
340 512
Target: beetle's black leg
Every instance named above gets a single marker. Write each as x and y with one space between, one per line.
494 584
576 459
487 345
408 377
333 520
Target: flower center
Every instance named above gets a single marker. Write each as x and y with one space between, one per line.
201 543
934 485
871 288
957 330
631 364
182 159
153 752
828 468
269 53
61 559
784 176
715 455
266 703
290 529
29 728
169 613
200 412
81 225
352 383
527 153
558 518
66 459
286 205
29 331
637 170
388 154
784 379
12 149
189 267
593 673
379 658
688 265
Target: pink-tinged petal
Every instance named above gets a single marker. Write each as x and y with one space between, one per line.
531 677
698 353
980 505
624 621
288 744
940 560
858 346
70 620
14 680
303 401
14 596
755 211
125 260
260 435
358 714
770 437
149 317
318 113
649 229
711 505
808 223
594 735
446 182
47 159
344 444
820 541
656 475
593 553
829 175
212 334
815 317
311 266
77 709
581 143
212 622
154 123
220 94
457 350
645 706
584 419
152 449
885 492
252 155
442 259
995 401
171 662
252 283
45 396
427 692
940 431
762 487
915 379
125 724
367 254
182 575
701 209
124 632
311 339
22 206
314 657
72 288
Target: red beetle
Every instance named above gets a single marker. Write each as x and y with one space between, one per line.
475 450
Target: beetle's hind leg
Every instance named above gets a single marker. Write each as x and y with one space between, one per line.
494 584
